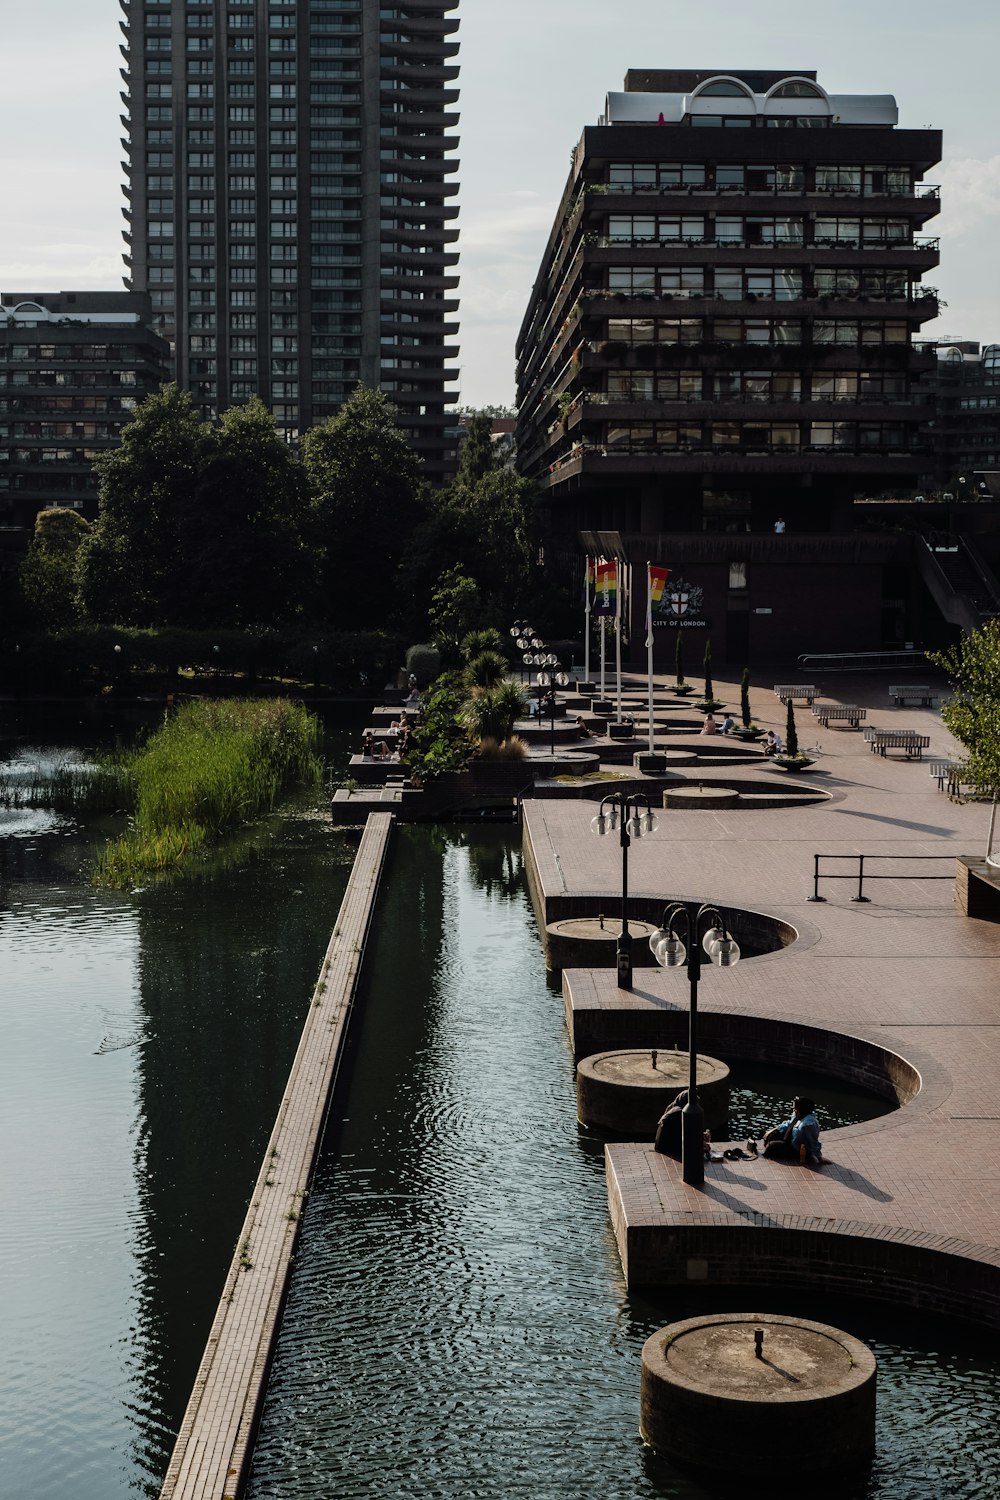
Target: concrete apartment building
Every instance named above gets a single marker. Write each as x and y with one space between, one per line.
720 340
291 201
73 366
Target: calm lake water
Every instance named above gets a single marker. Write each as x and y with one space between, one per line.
458 1324
146 1041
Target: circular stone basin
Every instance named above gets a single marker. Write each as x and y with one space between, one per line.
583 943
701 797
807 1406
680 757
627 1091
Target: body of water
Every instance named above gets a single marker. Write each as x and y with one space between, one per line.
146 1042
458 1325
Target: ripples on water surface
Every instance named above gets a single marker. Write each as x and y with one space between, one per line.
145 1040
458 1325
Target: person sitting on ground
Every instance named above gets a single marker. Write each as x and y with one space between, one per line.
772 743
795 1139
581 726
710 726
668 1130
380 751
728 724
413 701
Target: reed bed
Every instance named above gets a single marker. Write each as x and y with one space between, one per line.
209 768
80 790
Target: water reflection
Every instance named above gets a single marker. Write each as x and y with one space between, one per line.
146 1041
457 1324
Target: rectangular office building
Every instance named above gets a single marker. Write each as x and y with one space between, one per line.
292 208
73 366
719 344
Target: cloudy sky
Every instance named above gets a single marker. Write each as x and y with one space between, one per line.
534 72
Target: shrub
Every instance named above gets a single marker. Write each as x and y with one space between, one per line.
487 670
424 662
478 641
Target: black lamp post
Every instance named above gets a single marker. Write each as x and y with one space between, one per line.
705 933
551 679
632 817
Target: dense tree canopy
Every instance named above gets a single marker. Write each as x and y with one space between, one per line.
48 573
199 526
363 477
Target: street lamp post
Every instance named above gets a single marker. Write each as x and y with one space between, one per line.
632 817
551 679
706 933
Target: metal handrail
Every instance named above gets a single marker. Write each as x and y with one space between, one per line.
861 874
860 661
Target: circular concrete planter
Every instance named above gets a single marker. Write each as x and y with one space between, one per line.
583 943
626 1092
704 798
805 1407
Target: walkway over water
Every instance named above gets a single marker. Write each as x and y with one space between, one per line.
908 1209
212 1450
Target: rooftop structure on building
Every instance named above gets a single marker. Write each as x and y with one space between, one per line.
292 204
721 333
73 366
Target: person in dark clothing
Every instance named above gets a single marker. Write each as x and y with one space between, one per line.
668 1130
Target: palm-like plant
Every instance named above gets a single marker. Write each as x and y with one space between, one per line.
491 712
478 641
487 670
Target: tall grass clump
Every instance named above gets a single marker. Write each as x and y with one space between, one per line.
211 766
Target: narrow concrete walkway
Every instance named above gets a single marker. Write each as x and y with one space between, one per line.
212 1452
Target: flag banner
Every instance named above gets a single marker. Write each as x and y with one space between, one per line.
606 597
657 583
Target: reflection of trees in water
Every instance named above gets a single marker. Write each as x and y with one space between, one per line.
495 864
227 966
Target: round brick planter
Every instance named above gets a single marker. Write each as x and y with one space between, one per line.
582 943
805 1407
708 797
625 1092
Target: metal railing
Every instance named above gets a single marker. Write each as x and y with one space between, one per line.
861 874
860 661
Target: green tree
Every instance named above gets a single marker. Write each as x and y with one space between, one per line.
133 569
973 714
363 477
455 607
791 733
478 455
50 569
490 714
487 670
247 560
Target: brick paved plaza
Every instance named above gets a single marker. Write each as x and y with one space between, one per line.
908 1207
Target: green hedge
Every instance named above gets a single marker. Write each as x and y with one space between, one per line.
90 658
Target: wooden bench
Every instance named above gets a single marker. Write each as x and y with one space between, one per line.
836 711
804 690
914 744
920 694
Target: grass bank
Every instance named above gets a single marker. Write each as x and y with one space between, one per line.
212 766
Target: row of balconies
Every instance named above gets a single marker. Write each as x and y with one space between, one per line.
607 463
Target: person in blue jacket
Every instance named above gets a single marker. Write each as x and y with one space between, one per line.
796 1139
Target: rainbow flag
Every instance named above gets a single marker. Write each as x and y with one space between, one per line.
657 583
606 580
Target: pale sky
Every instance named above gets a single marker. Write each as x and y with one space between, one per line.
534 73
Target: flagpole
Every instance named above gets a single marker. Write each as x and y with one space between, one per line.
586 623
620 580
649 648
